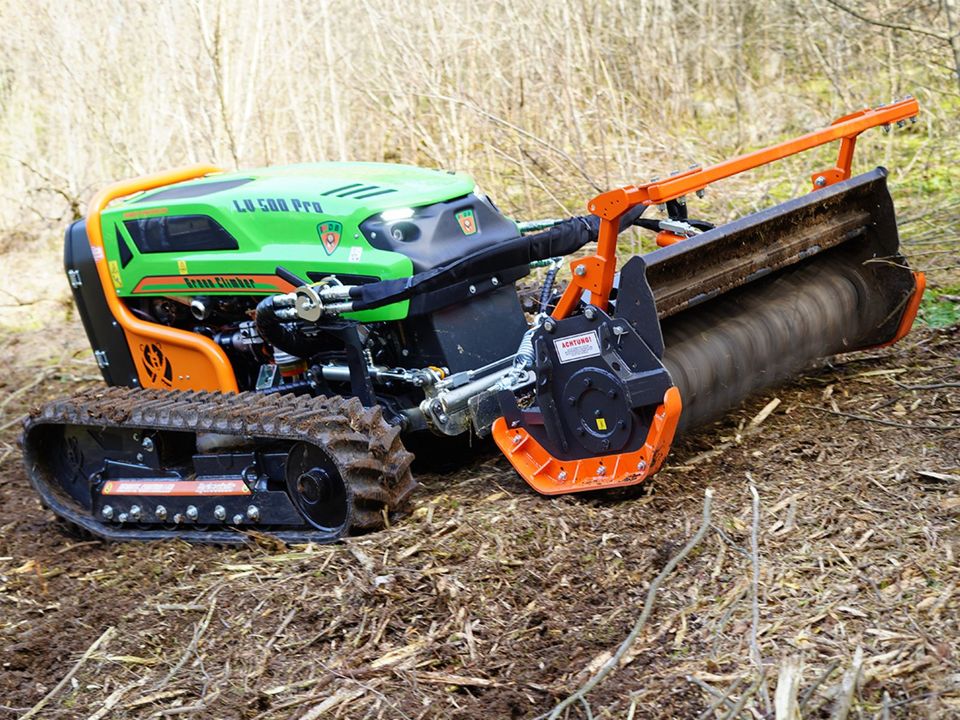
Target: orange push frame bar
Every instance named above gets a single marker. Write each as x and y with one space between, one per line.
195 362
599 269
595 273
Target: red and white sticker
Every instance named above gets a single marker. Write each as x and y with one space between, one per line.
577 347
175 488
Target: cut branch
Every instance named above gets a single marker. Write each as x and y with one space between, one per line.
614 661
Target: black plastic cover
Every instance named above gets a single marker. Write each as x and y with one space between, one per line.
468 335
103 332
439 233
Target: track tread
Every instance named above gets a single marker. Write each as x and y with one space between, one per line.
367 450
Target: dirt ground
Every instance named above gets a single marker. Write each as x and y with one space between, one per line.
490 601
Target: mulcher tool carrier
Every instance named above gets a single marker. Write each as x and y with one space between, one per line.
270 337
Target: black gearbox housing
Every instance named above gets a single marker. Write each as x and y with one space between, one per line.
600 378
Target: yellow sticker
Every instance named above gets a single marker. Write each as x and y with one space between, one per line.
601 424
182 266
115 273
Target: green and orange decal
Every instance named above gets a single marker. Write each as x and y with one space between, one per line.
330 232
467 221
212 284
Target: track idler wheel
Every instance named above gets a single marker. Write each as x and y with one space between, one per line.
317 489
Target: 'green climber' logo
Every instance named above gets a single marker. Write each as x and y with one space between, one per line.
330 235
467 221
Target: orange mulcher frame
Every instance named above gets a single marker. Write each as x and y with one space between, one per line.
551 476
208 366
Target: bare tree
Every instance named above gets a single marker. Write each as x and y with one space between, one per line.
950 38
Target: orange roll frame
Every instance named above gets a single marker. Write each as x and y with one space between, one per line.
197 362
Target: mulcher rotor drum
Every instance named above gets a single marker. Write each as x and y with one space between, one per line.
831 280
725 350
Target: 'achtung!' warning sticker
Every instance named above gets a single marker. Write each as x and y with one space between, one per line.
577 347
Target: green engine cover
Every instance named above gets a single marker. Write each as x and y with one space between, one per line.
227 233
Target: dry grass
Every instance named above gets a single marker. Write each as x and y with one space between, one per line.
544 102
490 601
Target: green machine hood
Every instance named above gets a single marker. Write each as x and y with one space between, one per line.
227 233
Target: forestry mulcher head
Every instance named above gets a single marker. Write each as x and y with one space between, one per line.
271 334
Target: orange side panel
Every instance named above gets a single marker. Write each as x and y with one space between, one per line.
550 476
166 358
910 311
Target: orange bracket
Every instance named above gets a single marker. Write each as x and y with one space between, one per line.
196 362
910 311
550 476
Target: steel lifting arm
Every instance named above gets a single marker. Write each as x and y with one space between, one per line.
595 273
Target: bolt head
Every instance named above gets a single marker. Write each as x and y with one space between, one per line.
642 465
580 270
135 512
122 517
220 513
192 512
253 513
517 438
820 181
550 325
494 281
107 512
701 192
562 476
147 444
473 289
160 512
139 457
590 312
178 518
237 519
601 470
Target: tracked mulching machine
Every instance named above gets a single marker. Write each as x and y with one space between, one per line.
269 336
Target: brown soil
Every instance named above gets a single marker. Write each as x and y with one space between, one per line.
490 601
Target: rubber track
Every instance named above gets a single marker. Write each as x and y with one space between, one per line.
366 449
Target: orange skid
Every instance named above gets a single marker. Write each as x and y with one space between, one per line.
910 311
551 476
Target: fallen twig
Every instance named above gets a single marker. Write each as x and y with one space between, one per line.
808 693
881 421
194 643
742 702
723 698
609 665
755 597
847 686
103 639
788 683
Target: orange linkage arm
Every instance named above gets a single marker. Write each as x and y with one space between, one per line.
197 362
596 272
